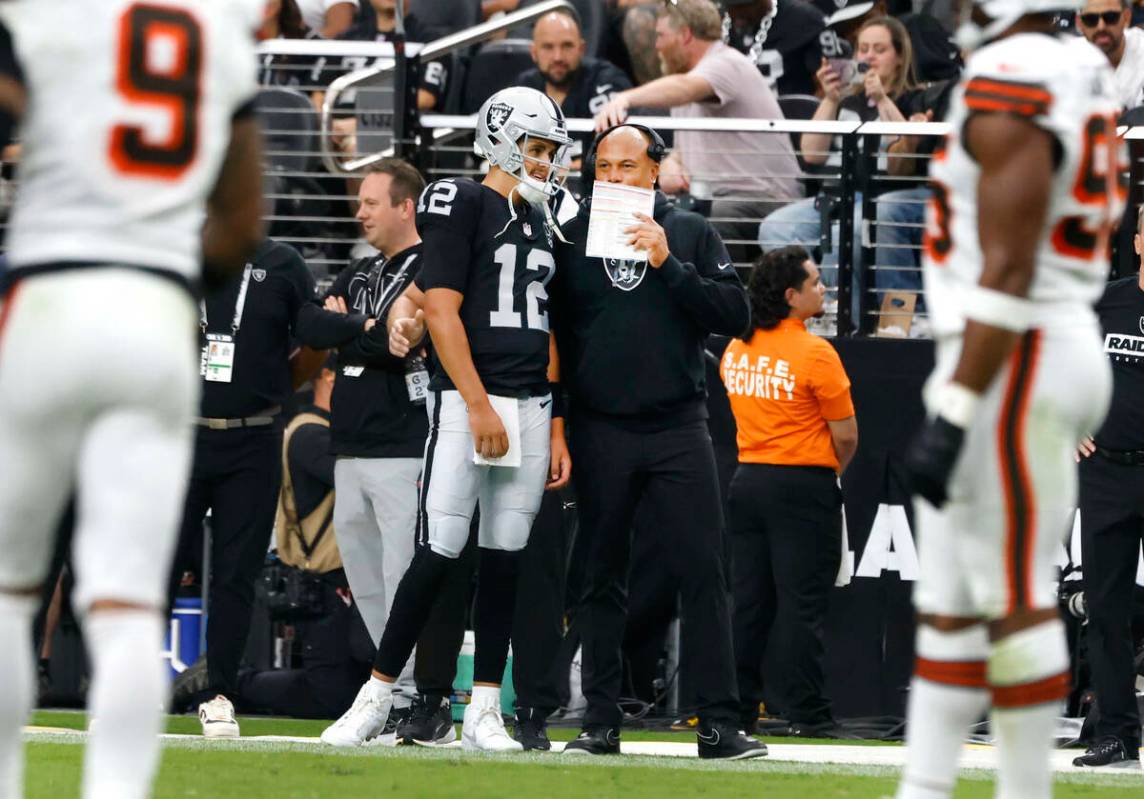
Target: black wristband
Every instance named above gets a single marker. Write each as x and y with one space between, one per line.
557 400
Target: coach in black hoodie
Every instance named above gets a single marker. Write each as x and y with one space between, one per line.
630 336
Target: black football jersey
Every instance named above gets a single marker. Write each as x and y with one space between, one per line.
1121 312
502 266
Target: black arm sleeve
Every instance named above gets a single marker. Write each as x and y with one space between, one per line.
710 291
321 329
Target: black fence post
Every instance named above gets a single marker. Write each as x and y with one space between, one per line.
847 170
864 183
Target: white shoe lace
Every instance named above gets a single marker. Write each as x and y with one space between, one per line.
358 714
490 723
217 709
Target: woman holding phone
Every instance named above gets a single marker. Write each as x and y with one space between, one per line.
875 85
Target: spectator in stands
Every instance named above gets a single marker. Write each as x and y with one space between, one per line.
579 84
328 18
1105 23
491 8
744 175
884 47
281 19
796 433
846 17
631 29
380 27
788 47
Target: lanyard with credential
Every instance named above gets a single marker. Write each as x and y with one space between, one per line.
239 306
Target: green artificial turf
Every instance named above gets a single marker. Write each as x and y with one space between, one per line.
249 769
205 770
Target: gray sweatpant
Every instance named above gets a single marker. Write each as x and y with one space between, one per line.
375 522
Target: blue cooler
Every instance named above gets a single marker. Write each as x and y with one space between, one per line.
184 634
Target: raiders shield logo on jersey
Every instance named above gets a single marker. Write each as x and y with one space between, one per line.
258 274
625 274
497 115
1141 323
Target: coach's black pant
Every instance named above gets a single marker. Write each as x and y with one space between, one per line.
1112 525
785 525
674 470
236 475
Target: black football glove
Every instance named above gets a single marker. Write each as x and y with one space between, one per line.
931 457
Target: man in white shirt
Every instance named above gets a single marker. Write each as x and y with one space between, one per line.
1106 23
329 18
745 175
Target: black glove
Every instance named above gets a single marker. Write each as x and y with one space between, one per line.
931 457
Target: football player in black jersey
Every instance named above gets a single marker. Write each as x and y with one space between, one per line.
487 259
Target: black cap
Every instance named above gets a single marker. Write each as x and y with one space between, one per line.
842 10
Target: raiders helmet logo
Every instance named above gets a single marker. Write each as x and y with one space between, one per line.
1141 324
497 115
258 274
624 274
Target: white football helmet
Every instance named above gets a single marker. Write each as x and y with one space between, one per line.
1002 13
505 121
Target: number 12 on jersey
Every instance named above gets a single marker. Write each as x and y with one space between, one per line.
535 292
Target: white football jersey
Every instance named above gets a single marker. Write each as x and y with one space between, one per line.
1065 86
130 104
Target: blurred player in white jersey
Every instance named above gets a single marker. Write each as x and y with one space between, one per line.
140 160
1025 193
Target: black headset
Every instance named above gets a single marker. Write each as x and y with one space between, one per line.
656 149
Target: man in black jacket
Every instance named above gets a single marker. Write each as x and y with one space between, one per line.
631 338
579 84
378 422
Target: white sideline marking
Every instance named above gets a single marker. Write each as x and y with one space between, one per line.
973 756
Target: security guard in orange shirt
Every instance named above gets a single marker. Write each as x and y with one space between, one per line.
796 433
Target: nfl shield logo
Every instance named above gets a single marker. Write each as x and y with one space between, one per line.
258 274
527 229
625 275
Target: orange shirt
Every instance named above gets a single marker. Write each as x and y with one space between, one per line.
784 384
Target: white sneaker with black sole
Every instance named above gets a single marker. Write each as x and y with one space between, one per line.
483 730
363 722
217 718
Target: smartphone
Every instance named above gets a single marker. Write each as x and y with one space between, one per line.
849 71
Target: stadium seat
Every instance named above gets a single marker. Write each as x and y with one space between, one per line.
494 67
799 106
448 16
289 128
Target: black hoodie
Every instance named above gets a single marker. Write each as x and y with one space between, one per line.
630 336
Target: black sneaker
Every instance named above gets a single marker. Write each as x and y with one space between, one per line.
721 741
531 729
397 717
1109 752
429 724
595 741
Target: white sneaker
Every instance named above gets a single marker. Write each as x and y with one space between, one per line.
483 731
217 718
363 722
